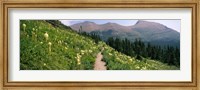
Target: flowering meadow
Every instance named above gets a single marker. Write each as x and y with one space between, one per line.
119 61
44 46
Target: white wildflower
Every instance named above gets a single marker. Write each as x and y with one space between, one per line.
144 68
49 43
82 51
59 42
33 29
79 62
78 59
90 51
24 26
137 67
49 46
46 36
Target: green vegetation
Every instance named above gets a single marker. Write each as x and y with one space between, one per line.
67 51
48 45
169 55
119 61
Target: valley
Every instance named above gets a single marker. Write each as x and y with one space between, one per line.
50 45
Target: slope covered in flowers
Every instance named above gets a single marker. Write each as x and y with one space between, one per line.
46 47
63 50
119 61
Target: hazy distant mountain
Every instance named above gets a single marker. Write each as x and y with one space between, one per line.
91 26
152 32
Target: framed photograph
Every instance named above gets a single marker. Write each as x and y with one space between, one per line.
98 44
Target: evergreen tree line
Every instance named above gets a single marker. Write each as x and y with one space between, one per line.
94 36
140 50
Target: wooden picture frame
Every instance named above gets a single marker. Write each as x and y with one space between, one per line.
193 4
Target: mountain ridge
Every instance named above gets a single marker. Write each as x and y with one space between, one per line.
137 24
152 32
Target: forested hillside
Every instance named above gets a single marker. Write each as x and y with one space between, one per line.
148 32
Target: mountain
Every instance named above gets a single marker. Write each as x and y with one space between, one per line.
152 32
157 33
48 45
88 26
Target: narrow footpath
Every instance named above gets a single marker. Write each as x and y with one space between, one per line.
99 64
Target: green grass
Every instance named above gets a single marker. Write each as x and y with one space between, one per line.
71 51
118 61
66 45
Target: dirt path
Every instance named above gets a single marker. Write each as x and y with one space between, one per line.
99 65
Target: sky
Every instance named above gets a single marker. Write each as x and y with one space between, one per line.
174 23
